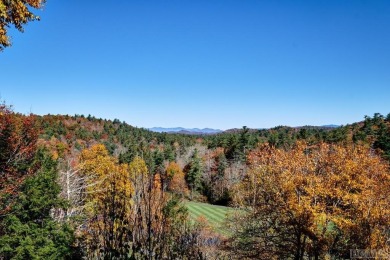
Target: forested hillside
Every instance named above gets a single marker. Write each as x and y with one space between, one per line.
82 187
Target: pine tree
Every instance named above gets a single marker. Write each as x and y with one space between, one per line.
29 231
194 173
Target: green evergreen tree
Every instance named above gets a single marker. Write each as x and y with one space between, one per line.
194 173
29 231
169 153
383 140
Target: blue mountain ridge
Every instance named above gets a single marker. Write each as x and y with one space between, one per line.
211 130
182 129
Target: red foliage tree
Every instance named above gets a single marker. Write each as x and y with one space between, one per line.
18 141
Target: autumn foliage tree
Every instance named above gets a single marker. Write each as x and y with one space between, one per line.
158 219
128 215
109 201
218 182
17 13
313 201
18 145
176 179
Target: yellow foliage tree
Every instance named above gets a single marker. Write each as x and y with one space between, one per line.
17 13
313 201
128 214
109 202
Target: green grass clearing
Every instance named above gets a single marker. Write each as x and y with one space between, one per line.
215 215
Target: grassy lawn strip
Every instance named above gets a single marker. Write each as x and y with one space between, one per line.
215 215
210 215
212 211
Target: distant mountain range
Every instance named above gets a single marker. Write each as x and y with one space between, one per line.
183 130
208 131
330 126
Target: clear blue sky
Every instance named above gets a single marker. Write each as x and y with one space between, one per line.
203 63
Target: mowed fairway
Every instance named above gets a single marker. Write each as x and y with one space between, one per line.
215 215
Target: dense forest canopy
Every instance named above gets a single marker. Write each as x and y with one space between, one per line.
83 187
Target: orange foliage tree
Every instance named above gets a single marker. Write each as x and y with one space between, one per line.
313 201
157 218
177 183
